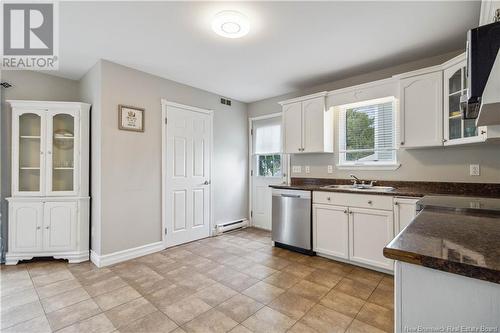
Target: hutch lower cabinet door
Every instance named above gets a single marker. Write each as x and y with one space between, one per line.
60 226
25 228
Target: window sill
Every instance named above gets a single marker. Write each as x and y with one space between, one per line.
380 167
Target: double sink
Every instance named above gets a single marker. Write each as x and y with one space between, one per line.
360 188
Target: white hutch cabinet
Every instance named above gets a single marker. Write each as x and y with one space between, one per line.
49 207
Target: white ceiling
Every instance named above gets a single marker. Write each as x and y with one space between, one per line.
291 45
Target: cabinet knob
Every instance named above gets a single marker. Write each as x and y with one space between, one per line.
47 227
444 140
370 202
49 152
328 198
345 211
41 153
396 204
38 228
402 143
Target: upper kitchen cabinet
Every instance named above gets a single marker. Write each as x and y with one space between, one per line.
307 125
48 142
459 131
421 108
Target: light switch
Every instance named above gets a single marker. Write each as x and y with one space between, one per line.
296 169
308 169
330 169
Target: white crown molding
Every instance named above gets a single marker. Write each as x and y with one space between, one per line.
46 104
124 255
303 98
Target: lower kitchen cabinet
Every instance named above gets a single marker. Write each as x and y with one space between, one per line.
353 227
370 230
331 230
405 210
56 228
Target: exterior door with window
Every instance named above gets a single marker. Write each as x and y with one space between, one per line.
268 167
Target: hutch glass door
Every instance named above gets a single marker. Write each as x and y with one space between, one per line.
62 157
30 153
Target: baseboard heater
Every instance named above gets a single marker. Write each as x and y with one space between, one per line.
230 226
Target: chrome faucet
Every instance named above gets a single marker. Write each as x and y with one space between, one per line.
355 180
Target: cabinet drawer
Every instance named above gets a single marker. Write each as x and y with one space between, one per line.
353 200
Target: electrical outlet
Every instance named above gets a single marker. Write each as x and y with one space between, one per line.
296 169
307 169
474 170
330 169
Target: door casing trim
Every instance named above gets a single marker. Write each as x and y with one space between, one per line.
164 115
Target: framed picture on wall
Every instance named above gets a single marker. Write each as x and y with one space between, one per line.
130 118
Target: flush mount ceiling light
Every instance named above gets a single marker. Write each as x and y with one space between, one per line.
230 24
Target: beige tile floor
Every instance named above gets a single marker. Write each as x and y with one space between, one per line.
236 282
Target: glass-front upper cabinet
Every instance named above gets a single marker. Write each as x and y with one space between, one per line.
48 140
62 158
456 129
28 142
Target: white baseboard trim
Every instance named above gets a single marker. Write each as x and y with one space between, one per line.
124 255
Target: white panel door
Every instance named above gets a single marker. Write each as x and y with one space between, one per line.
370 230
421 101
331 230
313 113
60 226
405 210
25 233
292 127
187 188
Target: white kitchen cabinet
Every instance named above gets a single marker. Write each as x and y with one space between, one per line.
50 181
370 230
421 109
308 125
292 125
405 210
331 230
354 227
25 227
458 131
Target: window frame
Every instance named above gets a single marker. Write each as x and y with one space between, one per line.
342 164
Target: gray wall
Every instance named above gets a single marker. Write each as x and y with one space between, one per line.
434 164
131 162
90 91
31 86
126 166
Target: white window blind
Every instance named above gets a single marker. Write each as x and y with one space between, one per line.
267 136
367 133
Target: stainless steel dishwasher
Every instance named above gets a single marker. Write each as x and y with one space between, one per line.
291 221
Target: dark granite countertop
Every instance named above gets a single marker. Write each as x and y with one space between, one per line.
401 188
397 192
452 240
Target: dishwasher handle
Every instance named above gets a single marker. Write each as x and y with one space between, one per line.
290 195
